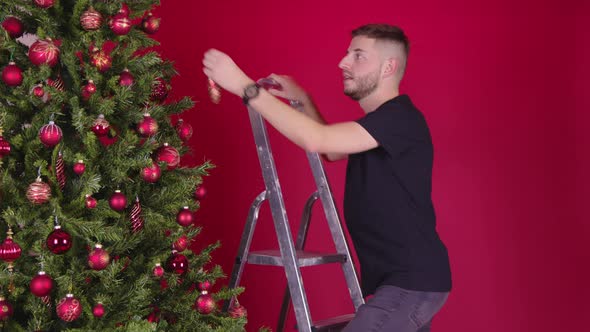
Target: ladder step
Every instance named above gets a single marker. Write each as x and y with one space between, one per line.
304 258
333 324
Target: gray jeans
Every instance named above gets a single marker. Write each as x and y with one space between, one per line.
395 309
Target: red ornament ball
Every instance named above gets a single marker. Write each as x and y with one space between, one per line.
147 126
98 310
5 309
88 90
50 134
126 79
205 285
181 243
200 193
44 51
79 167
177 263
13 26
205 303
150 24
12 75
91 19
151 173
38 192
184 130
169 155
185 217
100 127
69 308
90 202
237 310
118 201
4 147
120 24
43 3
59 241
38 91
10 250
158 270
124 10
159 90
101 60
98 258
41 285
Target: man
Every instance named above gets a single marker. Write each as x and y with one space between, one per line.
387 205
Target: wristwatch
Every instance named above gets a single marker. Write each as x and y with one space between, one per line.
250 92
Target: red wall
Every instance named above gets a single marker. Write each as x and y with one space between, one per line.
502 86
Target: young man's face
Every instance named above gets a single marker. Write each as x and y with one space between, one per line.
361 68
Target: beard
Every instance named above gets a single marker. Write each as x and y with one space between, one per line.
364 86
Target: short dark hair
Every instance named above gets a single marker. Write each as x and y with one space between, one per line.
385 32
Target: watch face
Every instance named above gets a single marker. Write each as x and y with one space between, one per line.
251 91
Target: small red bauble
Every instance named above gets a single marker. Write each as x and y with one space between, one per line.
9 250
184 130
69 308
126 79
44 51
204 285
98 258
43 3
118 201
124 10
38 90
38 192
177 263
200 193
169 155
4 146
150 24
159 90
88 90
12 75
205 303
180 244
13 26
90 202
237 310
120 24
79 167
5 309
151 173
158 270
147 126
41 285
50 134
98 310
91 19
59 241
100 127
101 60
185 217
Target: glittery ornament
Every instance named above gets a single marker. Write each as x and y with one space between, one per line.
58 241
38 192
205 303
41 284
169 155
118 201
44 51
147 126
13 26
184 130
98 258
12 75
135 217
237 310
101 60
50 134
100 127
214 91
151 173
91 19
60 173
150 24
159 90
69 308
185 217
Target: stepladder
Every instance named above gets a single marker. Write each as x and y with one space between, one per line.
291 255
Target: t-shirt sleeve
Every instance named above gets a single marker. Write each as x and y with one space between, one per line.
396 130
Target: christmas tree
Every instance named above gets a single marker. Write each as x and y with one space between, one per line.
96 214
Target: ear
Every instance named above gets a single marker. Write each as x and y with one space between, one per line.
390 67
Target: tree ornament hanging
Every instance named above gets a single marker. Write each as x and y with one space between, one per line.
9 250
69 308
58 241
181 243
91 19
79 167
120 24
135 217
200 193
41 284
44 51
50 134
118 201
147 126
38 192
4 146
38 91
98 258
124 10
12 75
100 127
214 91
177 263
185 217
205 303
57 83
169 155
98 310
100 59
90 202
184 130
237 310
6 310
88 90
44 3
60 173
159 90
151 173
13 26
150 24
125 78
158 271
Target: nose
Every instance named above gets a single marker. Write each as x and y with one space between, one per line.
344 64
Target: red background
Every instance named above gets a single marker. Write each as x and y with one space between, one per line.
502 85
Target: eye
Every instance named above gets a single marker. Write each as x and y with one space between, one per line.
358 56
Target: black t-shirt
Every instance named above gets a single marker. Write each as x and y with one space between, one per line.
388 206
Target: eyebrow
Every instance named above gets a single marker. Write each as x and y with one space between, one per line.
357 50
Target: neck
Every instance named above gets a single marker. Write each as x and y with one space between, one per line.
377 98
